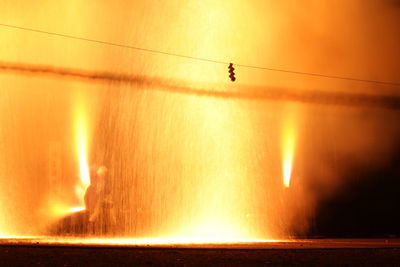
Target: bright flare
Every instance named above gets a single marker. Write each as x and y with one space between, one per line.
288 146
58 209
81 138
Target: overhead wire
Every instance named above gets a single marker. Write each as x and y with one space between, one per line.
199 58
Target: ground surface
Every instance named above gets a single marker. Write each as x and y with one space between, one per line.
321 252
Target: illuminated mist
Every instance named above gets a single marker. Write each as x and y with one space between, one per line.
186 167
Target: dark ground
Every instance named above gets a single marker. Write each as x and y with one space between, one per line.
325 252
365 206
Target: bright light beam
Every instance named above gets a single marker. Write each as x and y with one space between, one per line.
288 147
81 138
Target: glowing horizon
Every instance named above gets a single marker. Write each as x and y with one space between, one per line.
145 241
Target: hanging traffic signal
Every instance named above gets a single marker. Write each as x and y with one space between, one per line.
231 73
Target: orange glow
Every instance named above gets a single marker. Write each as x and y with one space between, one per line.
186 168
57 209
164 242
218 128
288 148
160 241
215 231
4 227
214 184
81 141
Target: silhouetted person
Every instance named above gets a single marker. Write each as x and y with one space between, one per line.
99 203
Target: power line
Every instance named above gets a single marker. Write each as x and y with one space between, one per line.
112 44
141 82
198 58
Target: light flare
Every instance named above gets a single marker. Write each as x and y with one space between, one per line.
81 141
216 230
288 149
58 209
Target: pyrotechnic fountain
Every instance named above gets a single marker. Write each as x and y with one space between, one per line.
288 142
191 174
210 161
82 139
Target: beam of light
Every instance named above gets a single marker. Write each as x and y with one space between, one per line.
288 149
81 143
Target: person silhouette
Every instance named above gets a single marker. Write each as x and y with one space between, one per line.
99 202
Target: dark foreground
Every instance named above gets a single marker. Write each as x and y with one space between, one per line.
339 252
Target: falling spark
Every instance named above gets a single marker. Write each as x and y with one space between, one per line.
221 142
219 194
288 146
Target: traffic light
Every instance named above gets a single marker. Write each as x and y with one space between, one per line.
231 73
